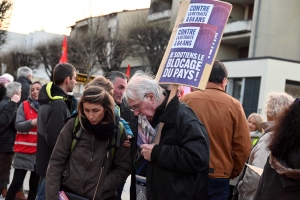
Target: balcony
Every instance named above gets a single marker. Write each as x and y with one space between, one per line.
237 33
237 27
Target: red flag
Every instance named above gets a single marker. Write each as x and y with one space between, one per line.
128 71
64 55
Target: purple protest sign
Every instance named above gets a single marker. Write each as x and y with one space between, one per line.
195 44
189 54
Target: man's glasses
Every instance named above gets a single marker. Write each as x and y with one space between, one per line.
225 78
137 106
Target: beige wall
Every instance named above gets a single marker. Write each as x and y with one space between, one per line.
278 29
237 13
227 52
130 18
175 9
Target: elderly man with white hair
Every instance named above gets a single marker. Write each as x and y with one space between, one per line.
8 108
24 77
176 167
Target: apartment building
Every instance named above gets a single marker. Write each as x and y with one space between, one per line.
112 26
27 42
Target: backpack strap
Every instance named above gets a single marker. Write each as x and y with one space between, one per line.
77 130
115 141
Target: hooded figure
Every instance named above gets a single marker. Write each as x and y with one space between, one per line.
53 101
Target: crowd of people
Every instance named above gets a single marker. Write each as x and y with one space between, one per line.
174 145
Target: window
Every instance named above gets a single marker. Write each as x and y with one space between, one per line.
246 90
292 88
234 88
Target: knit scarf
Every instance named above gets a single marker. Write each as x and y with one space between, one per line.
35 103
101 131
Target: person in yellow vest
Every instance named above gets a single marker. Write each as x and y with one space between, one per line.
25 144
256 130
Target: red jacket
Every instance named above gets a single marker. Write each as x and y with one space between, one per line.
26 142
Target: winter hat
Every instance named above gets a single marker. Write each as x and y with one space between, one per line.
3 80
9 77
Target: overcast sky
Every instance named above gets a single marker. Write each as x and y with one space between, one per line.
55 16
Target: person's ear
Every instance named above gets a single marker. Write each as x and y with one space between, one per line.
151 96
67 80
224 83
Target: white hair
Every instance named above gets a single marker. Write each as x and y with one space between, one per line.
24 71
141 84
12 88
277 102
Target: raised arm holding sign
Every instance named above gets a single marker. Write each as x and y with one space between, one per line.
176 164
193 44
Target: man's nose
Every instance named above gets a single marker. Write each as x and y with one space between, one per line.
136 112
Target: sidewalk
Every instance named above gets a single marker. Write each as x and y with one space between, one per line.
125 194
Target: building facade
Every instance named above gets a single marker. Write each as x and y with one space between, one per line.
260 48
27 43
113 26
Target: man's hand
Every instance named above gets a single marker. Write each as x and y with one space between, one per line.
147 150
127 143
15 98
34 122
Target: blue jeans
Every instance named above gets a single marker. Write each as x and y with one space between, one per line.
41 194
119 191
218 188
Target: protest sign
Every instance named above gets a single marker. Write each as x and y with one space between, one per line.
257 170
194 43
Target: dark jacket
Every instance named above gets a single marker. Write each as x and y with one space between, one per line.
84 165
280 180
53 111
8 132
129 117
132 120
25 82
179 164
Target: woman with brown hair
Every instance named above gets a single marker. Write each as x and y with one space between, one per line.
90 170
281 175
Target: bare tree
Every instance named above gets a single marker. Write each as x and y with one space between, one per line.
116 52
5 6
148 41
17 58
93 45
86 45
48 54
